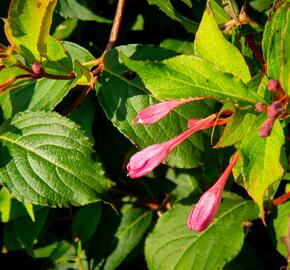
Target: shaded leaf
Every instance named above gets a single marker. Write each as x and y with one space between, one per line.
75 9
281 226
171 12
123 97
86 221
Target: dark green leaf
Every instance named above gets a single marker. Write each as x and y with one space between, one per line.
86 221
171 12
47 160
123 97
76 9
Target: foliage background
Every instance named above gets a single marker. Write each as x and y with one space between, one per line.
65 238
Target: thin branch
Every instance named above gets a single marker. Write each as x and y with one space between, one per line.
116 27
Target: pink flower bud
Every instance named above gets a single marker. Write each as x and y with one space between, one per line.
37 68
273 85
275 109
261 107
266 128
149 158
204 211
158 111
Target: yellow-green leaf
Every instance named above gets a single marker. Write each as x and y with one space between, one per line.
211 45
27 27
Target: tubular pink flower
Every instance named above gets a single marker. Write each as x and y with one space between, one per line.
158 111
194 121
149 158
204 211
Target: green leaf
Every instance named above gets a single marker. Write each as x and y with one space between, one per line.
181 46
189 76
122 98
78 52
276 48
261 5
58 60
281 227
223 55
172 245
285 47
86 221
23 232
65 29
134 224
187 2
5 205
117 236
44 94
260 161
27 27
185 183
239 126
171 12
47 160
220 16
76 9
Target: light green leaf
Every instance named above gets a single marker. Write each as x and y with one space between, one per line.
123 97
172 245
5 205
171 12
27 27
281 226
189 76
240 124
259 164
76 9
58 60
47 160
223 54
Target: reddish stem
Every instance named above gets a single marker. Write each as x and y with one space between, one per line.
281 199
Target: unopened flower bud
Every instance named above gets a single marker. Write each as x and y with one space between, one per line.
37 68
273 85
204 211
261 107
275 109
266 128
